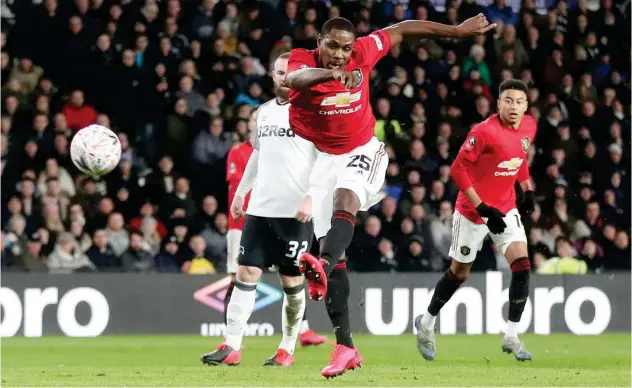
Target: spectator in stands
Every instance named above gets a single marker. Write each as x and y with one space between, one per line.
78 114
101 253
564 262
67 258
136 258
198 264
414 259
117 236
167 260
84 241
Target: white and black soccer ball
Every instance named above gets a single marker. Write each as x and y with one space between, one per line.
95 150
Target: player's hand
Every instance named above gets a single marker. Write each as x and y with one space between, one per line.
304 213
350 79
477 25
527 205
495 221
237 207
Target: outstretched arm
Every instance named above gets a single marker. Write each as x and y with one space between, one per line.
473 26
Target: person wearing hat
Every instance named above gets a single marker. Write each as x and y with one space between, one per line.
167 260
34 260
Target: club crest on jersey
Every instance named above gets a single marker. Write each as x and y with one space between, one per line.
342 99
465 251
358 73
525 144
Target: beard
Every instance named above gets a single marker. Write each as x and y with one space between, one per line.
282 92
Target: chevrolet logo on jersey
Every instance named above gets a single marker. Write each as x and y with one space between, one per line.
511 166
342 99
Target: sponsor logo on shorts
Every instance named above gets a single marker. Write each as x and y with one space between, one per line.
512 166
465 251
214 295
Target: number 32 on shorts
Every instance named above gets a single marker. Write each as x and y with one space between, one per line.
293 250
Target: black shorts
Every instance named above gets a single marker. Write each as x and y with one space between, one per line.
275 241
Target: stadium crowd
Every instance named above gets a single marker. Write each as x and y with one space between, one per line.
178 79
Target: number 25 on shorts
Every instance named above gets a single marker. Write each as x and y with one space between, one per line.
360 161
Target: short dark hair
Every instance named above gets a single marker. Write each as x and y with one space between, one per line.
337 23
513 84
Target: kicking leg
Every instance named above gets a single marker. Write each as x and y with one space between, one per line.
292 314
445 288
238 312
517 256
346 205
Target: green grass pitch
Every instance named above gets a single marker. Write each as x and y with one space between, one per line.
110 361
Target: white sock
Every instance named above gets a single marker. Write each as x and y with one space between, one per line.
241 304
512 329
428 321
293 310
304 326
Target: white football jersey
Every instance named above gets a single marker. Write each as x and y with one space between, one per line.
285 164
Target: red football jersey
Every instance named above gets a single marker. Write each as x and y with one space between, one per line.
235 167
335 119
499 157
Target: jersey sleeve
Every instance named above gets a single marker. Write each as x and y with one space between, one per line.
374 47
234 171
299 59
523 172
254 134
474 144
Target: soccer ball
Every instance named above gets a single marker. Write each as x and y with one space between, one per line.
95 150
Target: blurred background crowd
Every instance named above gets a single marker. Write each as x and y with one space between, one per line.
178 79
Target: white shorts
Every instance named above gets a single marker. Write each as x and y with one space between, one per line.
467 237
233 239
361 171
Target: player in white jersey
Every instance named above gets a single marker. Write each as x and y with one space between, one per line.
278 172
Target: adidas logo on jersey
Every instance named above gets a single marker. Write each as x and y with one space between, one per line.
275 131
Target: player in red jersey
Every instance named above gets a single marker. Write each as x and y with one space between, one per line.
489 164
330 106
235 166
